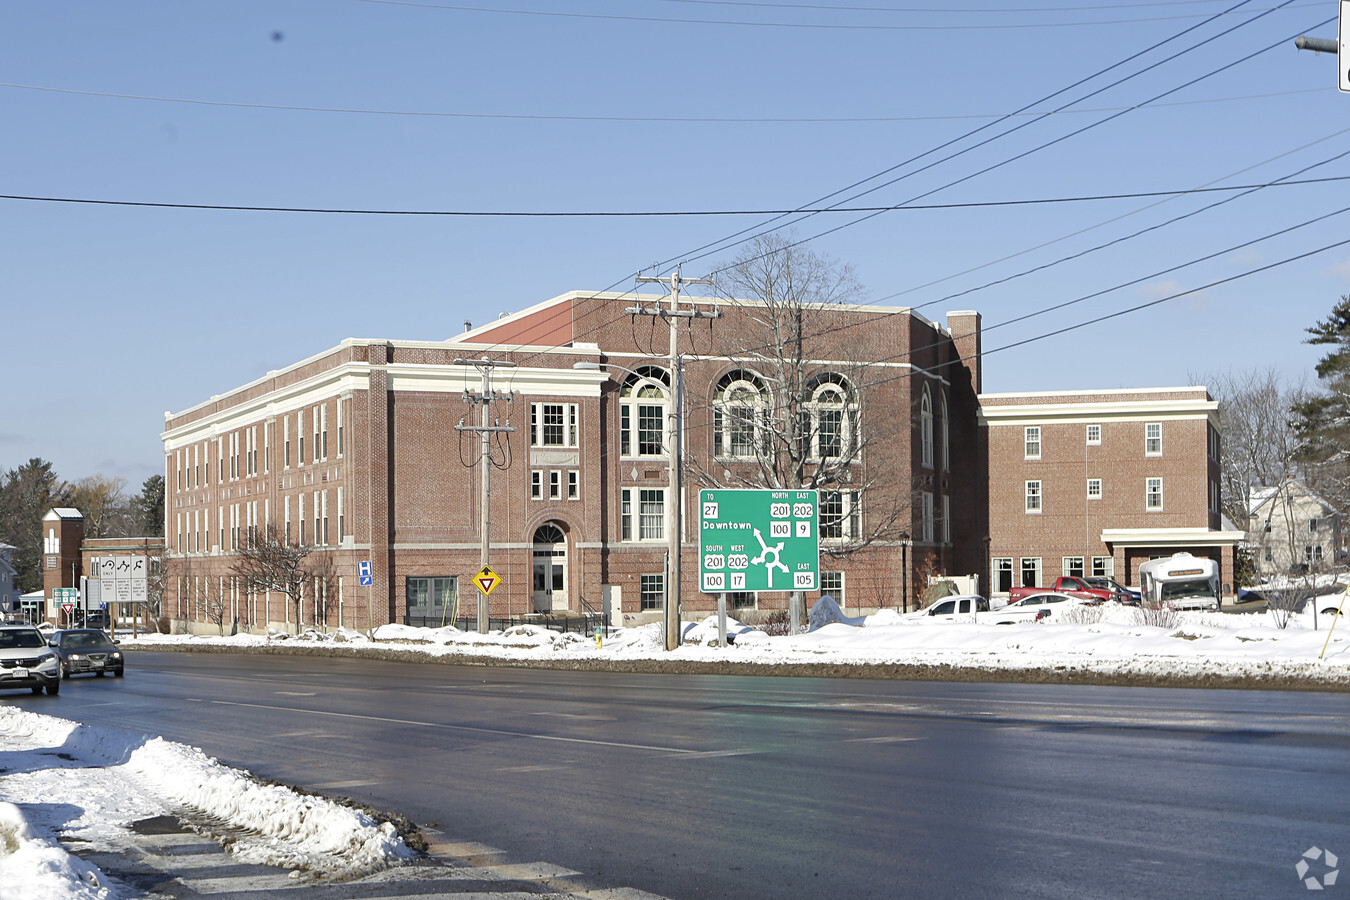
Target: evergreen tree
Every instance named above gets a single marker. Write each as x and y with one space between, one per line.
26 494
147 508
1323 421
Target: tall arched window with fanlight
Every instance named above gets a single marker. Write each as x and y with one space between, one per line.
830 423
926 428
945 434
642 412
740 406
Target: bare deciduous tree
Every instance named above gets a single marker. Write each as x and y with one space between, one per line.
798 415
271 561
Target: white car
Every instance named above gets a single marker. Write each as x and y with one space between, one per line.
964 608
1045 606
26 661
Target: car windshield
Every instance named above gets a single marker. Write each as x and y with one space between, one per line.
1178 589
85 640
21 638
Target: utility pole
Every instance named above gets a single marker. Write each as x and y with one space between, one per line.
486 429
674 436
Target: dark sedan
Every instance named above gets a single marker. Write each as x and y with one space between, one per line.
86 650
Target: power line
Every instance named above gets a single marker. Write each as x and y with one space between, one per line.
968 9
560 117
537 214
726 243
667 20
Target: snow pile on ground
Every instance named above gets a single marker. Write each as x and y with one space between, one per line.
45 871
90 784
1111 639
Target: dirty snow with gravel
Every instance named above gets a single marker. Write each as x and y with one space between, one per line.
80 783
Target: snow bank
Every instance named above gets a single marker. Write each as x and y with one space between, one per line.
93 779
41 866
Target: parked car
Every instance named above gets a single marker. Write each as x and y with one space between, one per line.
1122 593
87 650
26 661
1065 584
94 618
1049 605
974 609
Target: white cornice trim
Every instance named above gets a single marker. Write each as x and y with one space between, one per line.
1170 537
1103 411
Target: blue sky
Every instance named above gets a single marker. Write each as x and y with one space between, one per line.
114 314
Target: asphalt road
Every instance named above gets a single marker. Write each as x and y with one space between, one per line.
725 786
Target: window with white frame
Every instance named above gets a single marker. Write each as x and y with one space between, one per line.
830 418
1103 567
1033 496
1072 566
1153 439
1214 497
553 425
1153 493
1002 567
652 591
946 519
642 514
832 583
926 500
573 484
926 429
839 515
537 484
1031 571
946 433
1031 443
642 412
740 407
554 485
1094 435
1094 489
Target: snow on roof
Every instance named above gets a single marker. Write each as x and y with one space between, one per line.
64 512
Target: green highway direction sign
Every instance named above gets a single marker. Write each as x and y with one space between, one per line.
758 540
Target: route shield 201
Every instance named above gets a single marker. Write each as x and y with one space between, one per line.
758 540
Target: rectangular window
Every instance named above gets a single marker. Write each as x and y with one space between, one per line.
1103 567
342 522
1153 439
1032 442
1003 574
1094 434
286 442
946 519
339 424
1033 496
432 596
1072 565
553 424
300 437
653 592
1031 571
301 518
741 599
536 485
573 485
1094 489
650 426
926 498
267 447
555 485
325 518
323 418
830 438
1153 493
643 513
286 514
1312 526
839 514
832 583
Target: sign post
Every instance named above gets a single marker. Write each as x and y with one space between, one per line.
758 540
1343 50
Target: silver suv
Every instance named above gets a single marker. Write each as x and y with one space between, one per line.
26 661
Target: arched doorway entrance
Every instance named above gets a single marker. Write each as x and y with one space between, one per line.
550 568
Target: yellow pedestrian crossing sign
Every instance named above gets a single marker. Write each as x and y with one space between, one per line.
486 581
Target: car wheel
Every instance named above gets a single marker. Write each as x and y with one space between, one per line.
65 673
38 689
118 673
54 688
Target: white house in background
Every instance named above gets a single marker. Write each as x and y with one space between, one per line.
1292 529
9 591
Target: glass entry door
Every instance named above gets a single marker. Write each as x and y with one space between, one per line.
550 569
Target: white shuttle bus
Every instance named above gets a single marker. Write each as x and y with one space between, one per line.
1180 581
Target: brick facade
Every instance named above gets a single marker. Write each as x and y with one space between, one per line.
409 481
1100 482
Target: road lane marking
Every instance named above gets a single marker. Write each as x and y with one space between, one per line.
888 739
471 728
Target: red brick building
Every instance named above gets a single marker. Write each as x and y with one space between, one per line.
1098 482
356 451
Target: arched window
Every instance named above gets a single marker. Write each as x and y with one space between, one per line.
642 412
945 433
831 418
740 407
926 428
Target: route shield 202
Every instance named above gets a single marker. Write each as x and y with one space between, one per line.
758 540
